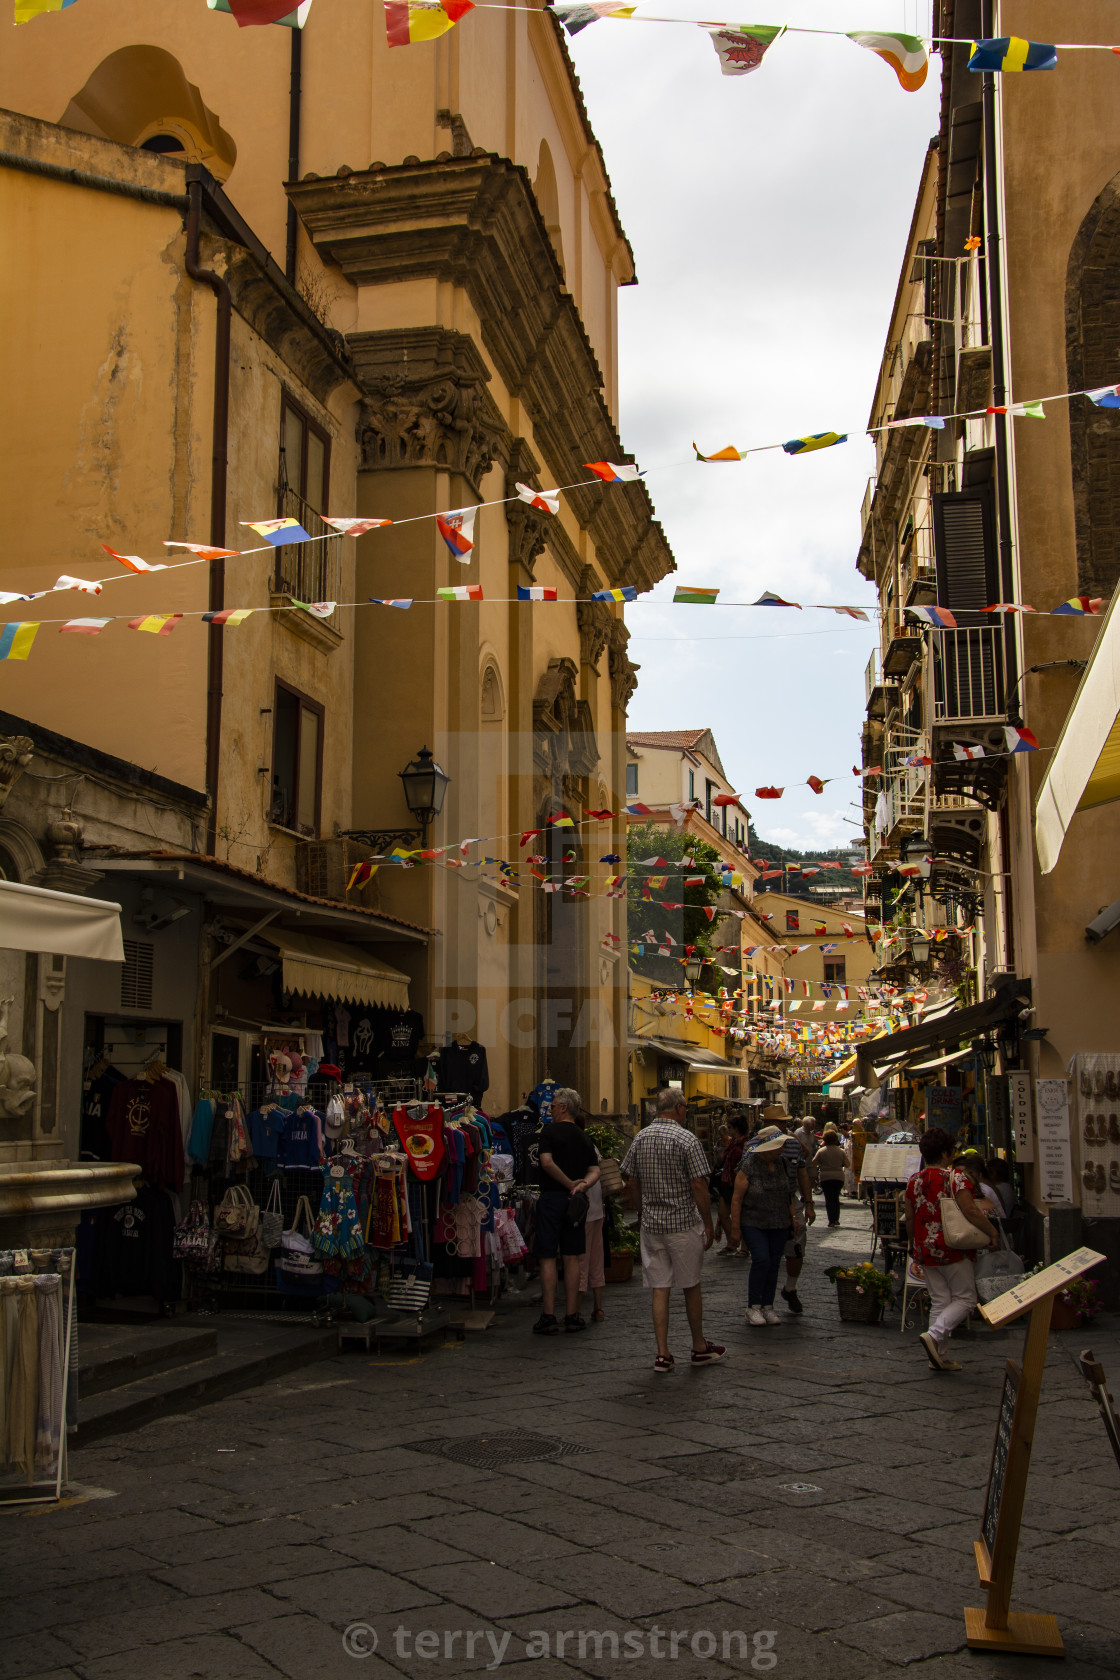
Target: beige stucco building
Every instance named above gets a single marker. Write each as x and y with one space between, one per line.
292 274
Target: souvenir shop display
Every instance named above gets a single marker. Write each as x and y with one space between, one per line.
36 1334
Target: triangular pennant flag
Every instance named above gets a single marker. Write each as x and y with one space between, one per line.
84 626
134 562
409 21
728 454
457 530
548 501
815 440
611 472
278 531
156 624
205 551
906 55
355 527
741 48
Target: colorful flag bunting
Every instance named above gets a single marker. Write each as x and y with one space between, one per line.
535 592
940 617
403 603
457 530
1105 396
685 595
204 550
83 584
725 799
264 11
769 599
278 531
1008 607
627 593
461 592
361 874
1020 740
7 596
548 501
599 816
156 624
578 16
815 440
637 810
1011 52
816 784
409 21
355 527
1079 605
906 55
233 616
84 626
317 609
613 472
963 752
849 612
25 11
728 454
917 761
741 50
862 868
769 793
134 562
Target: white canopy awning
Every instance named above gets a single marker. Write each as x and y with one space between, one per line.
1085 767
59 924
321 968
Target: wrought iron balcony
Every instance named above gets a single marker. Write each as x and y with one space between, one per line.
307 571
969 680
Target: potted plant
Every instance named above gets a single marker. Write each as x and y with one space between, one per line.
1078 1303
626 1244
861 1292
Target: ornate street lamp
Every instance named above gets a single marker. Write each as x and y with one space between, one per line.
693 969
425 783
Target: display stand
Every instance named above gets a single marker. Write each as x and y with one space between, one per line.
1093 1372
997 1627
42 1489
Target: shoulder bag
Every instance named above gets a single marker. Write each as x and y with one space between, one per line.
272 1220
237 1215
998 1270
195 1243
297 1256
958 1229
610 1176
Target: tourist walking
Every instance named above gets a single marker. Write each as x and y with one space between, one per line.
763 1210
830 1163
667 1165
592 1269
732 1155
949 1273
569 1167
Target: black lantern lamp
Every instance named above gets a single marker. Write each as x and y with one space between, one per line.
425 784
919 949
693 969
917 849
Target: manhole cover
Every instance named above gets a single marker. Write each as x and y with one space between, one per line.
490 1452
800 1487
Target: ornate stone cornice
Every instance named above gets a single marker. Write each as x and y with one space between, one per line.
527 535
16 753
473 222
624 673
594 618
425 403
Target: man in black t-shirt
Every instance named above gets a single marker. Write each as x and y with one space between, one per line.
568 1167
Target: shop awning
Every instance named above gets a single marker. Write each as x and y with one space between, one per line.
881 1055
704 1061
317 968
1084 769
61 924
940 1061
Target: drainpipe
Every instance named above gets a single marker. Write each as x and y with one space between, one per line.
218 468
294 102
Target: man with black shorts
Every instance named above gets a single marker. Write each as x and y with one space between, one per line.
568 1167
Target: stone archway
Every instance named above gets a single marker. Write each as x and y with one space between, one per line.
1092 359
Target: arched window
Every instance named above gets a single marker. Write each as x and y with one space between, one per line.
548 199
140 96
493 802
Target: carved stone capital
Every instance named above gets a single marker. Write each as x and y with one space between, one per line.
623 671
425 403
16 753
594 618
564 732
527 527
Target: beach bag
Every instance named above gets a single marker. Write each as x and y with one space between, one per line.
237 1215
959 1230
248 1255
195 1243
272 1220
997 1272
297 1260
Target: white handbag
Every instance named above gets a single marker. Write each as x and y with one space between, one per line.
998 1270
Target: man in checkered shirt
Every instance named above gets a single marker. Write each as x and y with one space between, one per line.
669 1167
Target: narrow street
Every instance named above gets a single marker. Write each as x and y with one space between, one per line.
807 1508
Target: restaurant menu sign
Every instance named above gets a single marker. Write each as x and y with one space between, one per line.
1054 1168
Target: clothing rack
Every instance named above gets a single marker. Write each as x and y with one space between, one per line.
21 1266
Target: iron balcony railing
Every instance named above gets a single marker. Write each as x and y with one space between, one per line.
308 571
969 677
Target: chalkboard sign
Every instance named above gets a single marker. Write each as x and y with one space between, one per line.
999 1454
886 1216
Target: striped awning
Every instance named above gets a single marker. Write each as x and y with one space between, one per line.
1084 769
322 969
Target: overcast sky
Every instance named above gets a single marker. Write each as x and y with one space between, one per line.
768 215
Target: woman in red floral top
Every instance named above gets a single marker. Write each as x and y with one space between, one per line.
949 1274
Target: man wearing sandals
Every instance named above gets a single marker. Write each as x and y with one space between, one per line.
668 1165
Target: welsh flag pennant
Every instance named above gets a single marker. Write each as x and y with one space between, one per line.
409 21
612 473
461 592
134 562
548 501
355 527
535 592
317 609
156 624
741 50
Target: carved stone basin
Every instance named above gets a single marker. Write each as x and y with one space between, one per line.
40 1205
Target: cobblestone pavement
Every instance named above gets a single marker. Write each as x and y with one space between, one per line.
806 1508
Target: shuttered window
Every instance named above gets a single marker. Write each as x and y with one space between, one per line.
964 537
136 975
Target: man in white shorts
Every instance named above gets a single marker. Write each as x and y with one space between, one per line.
668 1165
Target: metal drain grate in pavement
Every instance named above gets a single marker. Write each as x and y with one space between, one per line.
497 1448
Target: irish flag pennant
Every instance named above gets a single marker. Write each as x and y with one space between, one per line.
683 595
815 440
355 527
203 550
611 472
83 626
535 592
16 638
547 500
278 531
461 592
409 21
156 624
628 593
457 529
742 50
233 616
134 562
905 54
728 454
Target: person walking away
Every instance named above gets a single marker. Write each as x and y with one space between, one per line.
831 1163
568 1169
592 1272
732 1155
806 1135
804 1216
949 1273
762 1209
999 1177
668 1166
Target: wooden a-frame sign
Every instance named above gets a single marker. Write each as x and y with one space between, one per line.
997 1627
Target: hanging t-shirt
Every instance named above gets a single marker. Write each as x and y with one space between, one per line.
400 1035
143 1126
132 1254
265 1131
342 1026
96 1095
463 1067
540 1099
301 1141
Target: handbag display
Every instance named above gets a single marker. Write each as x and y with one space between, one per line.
237 1215
610 1176
272 1219
959 1230
195 1243
297 1256
997 1271
249 1255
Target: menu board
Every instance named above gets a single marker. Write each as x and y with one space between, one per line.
1019 1101
1014 1301
890 1163
1054 1166
1000 1451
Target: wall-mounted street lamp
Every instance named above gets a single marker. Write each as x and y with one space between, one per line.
425 785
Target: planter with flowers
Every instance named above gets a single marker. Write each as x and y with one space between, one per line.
1078 1303
862 1292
